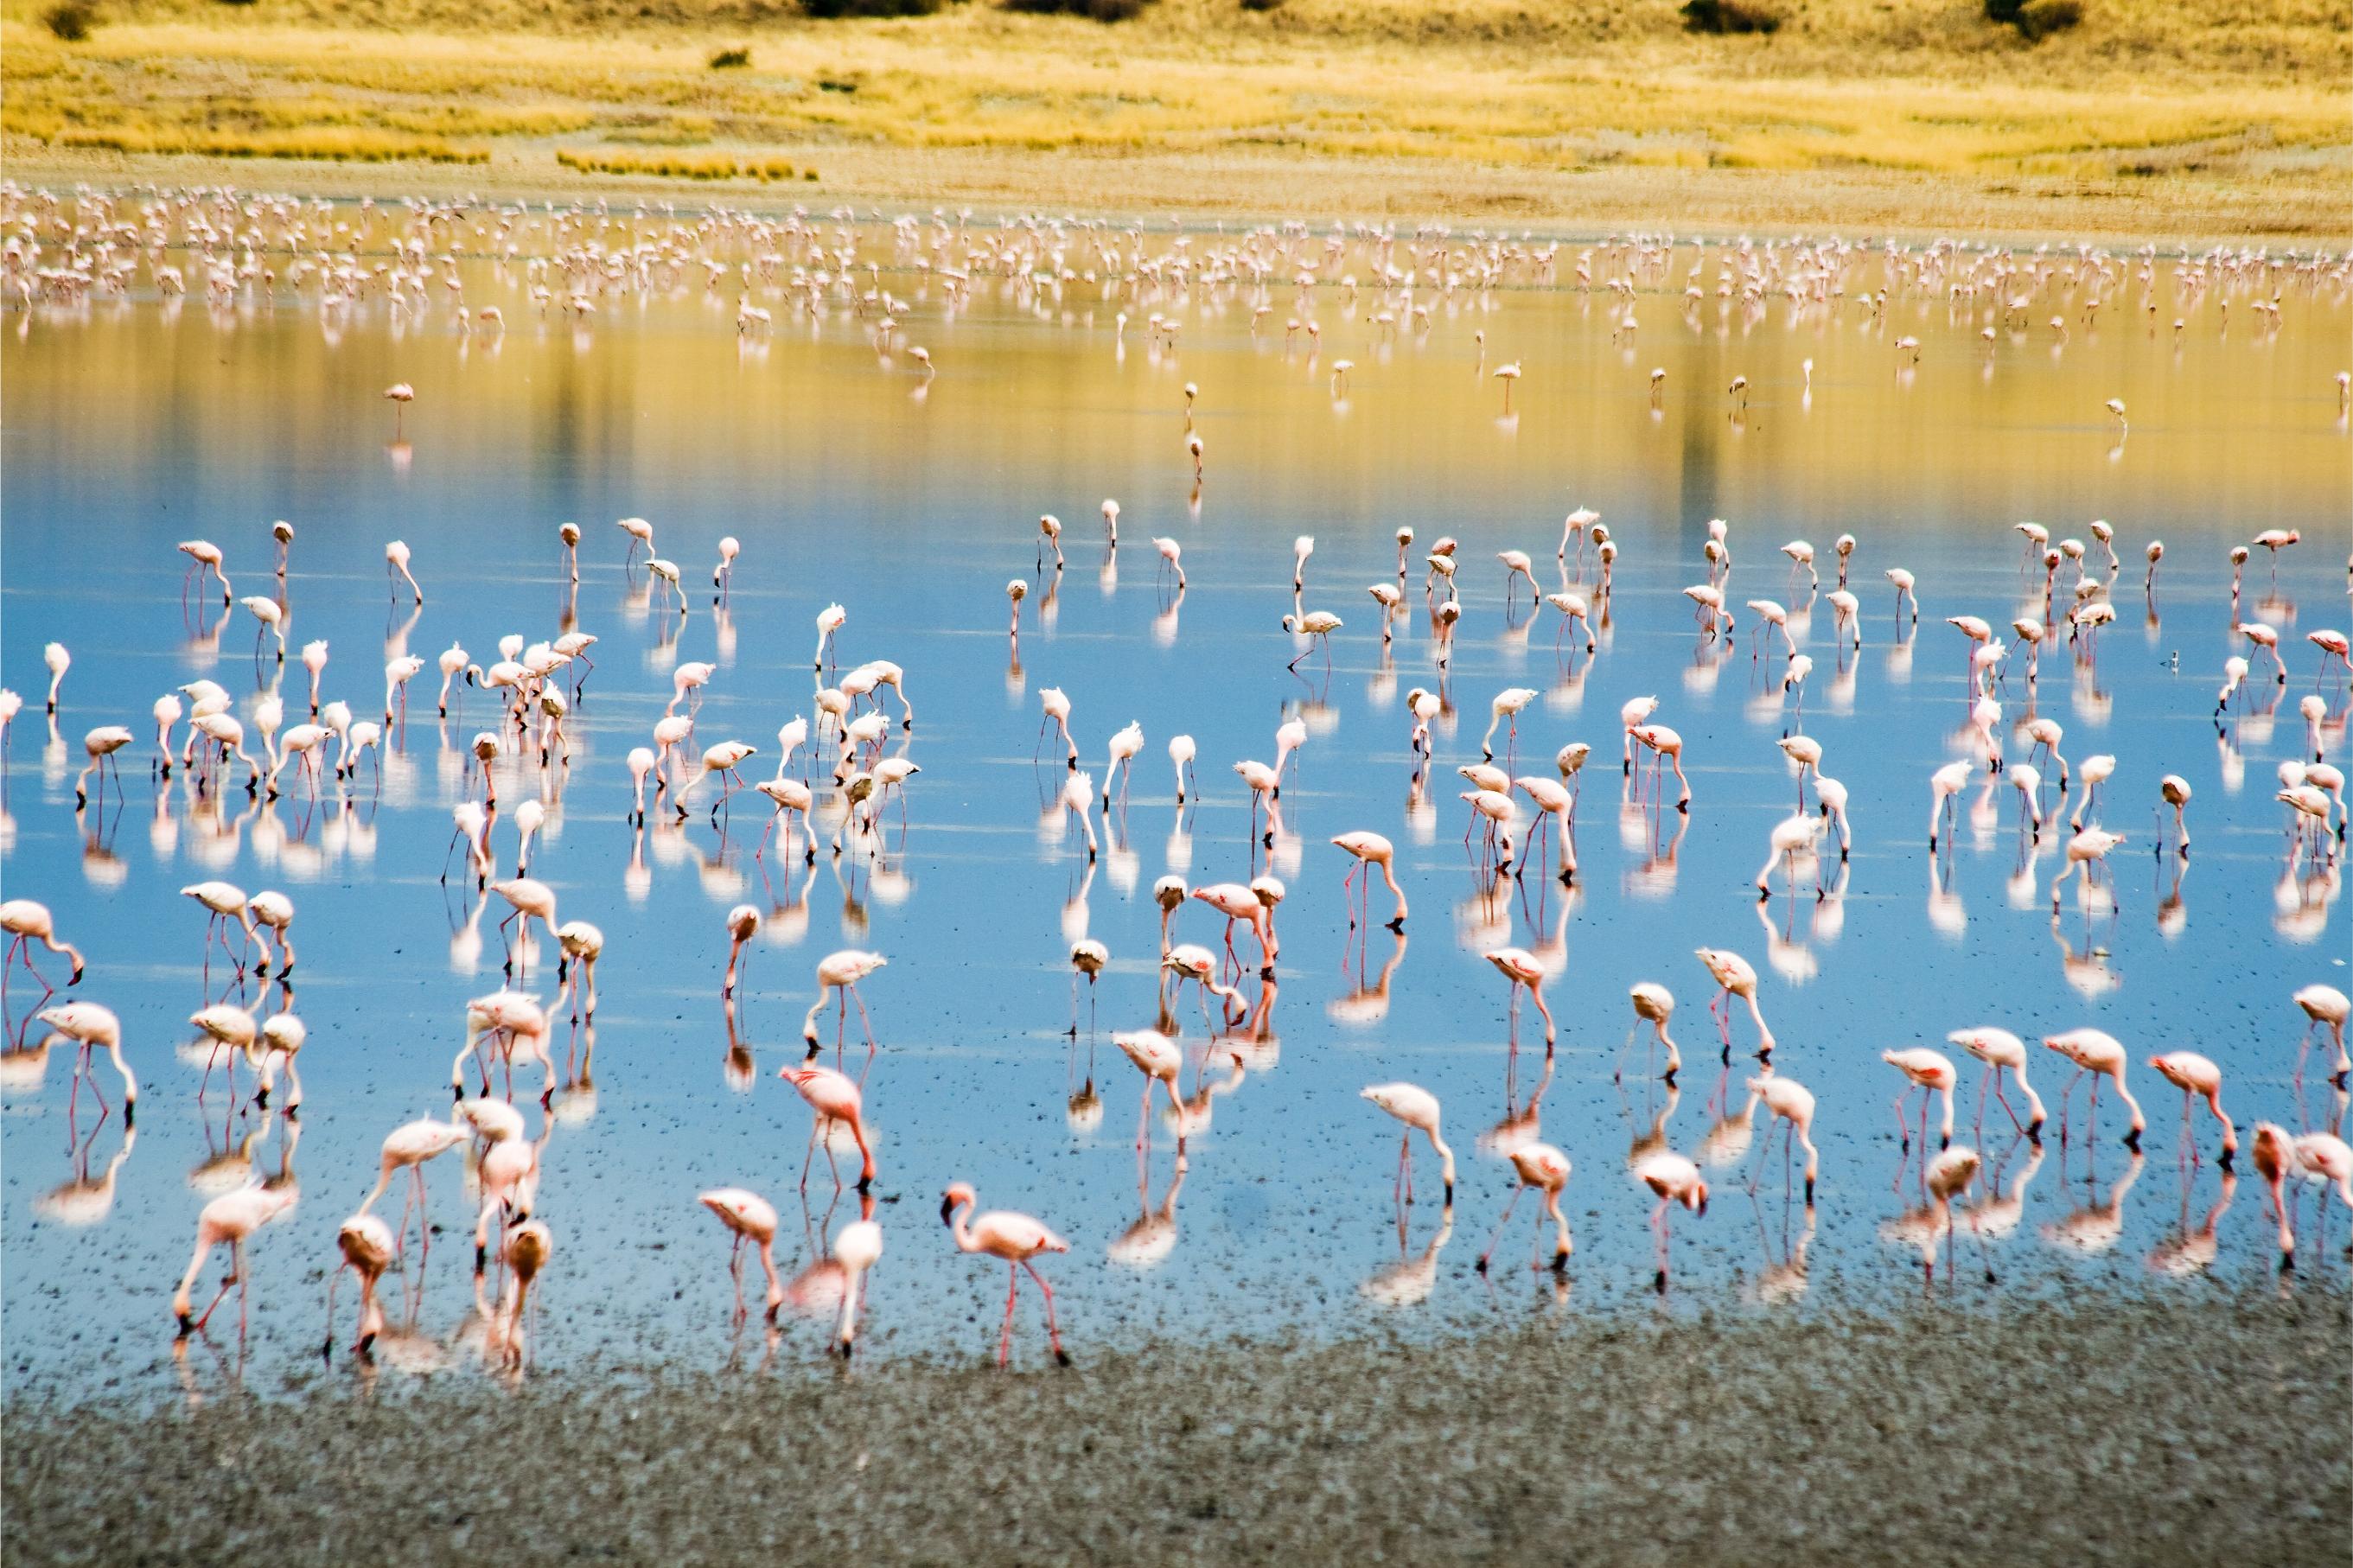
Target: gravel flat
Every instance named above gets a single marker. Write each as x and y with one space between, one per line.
2202 1429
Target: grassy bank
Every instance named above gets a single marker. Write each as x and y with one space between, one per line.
2198 1428
2204 114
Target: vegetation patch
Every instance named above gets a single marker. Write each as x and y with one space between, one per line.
1736 16
681 166
1096 10
2035 19
70 20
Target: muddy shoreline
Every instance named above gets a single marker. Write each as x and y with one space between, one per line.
2193 1428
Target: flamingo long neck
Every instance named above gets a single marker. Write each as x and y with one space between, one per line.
768 1268
180 1302
1445 1158
851 1279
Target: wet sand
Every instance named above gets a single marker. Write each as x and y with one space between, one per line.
2198 1428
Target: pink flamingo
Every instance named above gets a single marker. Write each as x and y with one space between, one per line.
751 1218
230 1219
28 922
1735 976
1157 1058
2198 1077
1666 747
1546 1169
2102 1055
2323 1004
1521 967
407 1148
2000 1049
838 974
857 1247
1931 1072
1418 1109
89 1026
743 924
366 1244
1790 1102
1014 1237
1672 1180
834 1097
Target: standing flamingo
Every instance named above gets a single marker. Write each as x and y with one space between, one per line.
1014 1237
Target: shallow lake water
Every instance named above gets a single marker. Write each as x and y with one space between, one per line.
851 476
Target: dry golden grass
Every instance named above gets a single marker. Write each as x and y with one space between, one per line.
2154 102
676 165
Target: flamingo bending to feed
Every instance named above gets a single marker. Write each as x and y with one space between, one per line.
1418 1109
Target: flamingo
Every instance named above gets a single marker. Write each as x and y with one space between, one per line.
838 974
2198 1079
230 1219
27 922
833 1097
400 395
1735 976
2001 1051
1418 1109
1181 753
1666 746
407 1148
368 1248
1931 1072
89 1026
748 1217
1546 1169
396 565
1788 1101
1653 1005
1158 1058
1018 1239
1672 1179
2325 1005
1523 969
2103 1056
204 556
743 924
